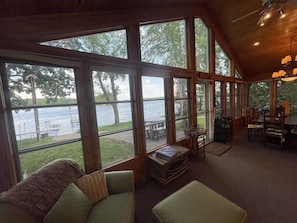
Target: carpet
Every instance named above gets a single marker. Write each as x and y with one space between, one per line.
216 148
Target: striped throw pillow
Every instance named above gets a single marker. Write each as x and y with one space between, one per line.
93 185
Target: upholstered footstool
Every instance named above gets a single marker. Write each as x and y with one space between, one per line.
195 203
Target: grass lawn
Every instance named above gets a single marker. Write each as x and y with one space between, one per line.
112 150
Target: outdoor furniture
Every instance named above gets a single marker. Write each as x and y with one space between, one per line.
196 203
155 128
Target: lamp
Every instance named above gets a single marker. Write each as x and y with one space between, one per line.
289 71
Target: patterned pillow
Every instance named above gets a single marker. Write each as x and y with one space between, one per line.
73 206
93 185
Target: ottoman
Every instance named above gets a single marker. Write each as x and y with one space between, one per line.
196 202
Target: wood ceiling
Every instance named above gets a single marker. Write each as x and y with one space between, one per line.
35 20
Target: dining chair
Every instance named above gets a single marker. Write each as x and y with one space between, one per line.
254 129
286 106
279 111
274 130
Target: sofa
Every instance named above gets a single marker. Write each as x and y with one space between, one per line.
61 192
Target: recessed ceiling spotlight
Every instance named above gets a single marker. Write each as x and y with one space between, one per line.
256 43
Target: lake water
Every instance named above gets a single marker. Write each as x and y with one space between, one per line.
52 120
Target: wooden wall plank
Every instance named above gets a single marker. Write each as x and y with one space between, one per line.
8 166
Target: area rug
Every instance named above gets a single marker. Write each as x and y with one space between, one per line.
216 148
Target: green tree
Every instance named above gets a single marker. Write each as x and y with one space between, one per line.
222 62
164 43
201 45
109 44
287 91
52 82
259 95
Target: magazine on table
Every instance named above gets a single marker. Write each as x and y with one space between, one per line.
167 152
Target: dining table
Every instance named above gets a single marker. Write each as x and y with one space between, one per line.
290 120
154 126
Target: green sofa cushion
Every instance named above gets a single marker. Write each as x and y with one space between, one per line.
73 206
114 208
196 202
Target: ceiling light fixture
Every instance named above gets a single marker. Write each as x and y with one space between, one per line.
268 8
282 13
289 71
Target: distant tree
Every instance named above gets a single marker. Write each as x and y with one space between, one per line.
181 93
53 83
222 62
201 45
109 44
287 91
259 95
164 43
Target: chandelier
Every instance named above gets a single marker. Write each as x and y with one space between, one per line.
289 71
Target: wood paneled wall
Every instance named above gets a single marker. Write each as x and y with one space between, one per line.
46 28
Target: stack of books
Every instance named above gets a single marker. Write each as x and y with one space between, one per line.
167 153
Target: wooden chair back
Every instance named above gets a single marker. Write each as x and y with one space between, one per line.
274 129
286 105
279 111
251 115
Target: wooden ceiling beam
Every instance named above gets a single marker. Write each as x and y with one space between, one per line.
56 26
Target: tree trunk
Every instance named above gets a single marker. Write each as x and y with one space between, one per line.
116 113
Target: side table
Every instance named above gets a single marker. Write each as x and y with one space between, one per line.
196 138
167 170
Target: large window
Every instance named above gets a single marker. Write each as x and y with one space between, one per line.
259 95
113 43
238 74
243 98
287 91
201 46
164 43
228 100
45 114
154 108
218 99
202 100
114 115
237 101
181 105
222 63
